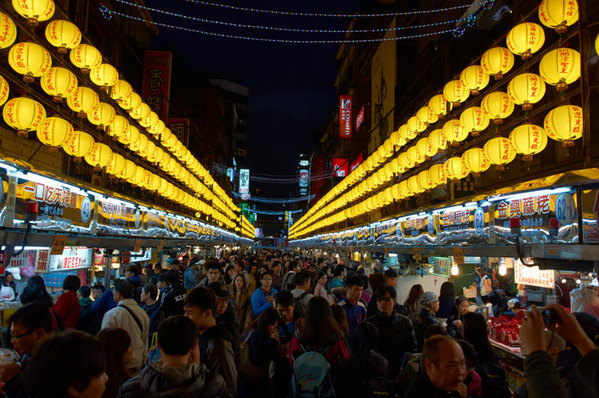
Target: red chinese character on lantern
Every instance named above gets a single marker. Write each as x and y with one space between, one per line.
515 208
502 209
543 204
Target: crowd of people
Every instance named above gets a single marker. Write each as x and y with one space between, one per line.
266 324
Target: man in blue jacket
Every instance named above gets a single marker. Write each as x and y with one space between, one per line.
263 298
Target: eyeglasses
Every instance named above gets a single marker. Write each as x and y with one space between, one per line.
18 336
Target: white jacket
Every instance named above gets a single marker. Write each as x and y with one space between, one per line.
119 317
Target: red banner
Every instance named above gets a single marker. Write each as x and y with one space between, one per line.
359 159
157 81
340 166
345 116
180 128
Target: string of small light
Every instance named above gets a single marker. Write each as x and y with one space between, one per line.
282 29
328 15
108 14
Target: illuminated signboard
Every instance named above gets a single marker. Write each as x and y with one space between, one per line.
340 167
360 118
345 116
244 181
157 81
533 276
72 257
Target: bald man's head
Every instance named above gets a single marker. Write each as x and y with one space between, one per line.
444 362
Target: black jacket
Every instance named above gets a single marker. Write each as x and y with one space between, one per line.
193 380
171 301
396 337
421 321
422 387
216 351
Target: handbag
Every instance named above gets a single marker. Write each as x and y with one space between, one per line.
248 369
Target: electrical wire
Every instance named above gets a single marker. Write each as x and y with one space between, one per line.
281 29
109 12
318 14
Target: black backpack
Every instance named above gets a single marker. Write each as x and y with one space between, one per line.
299 310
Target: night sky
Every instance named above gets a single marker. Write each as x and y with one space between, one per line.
291 86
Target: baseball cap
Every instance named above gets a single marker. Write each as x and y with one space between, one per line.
220 290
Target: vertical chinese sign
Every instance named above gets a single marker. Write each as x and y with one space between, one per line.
345 116
157 81
180 128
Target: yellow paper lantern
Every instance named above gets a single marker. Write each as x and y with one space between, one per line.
104 75
150 148
30 60
34 11
528 140
426 115
85 57
437 140
415 126
397 166
140 112
120 90
476 161
4 90
497 106
138 177
424 180
63 35
597 44
118 128
405 160
525 39
405 189
454 132
437 173
116 165
406 133
455 169
565 124
455 92
8 31
78 144
497 61
425 147
83 101
414 186
128 171
558 14
132 101
415 156
499 151
560 67
387 145
438 105
474 120
99 155
23 114
150 119
58 82
156 156
474 78
102 116
54 131
142 145
526 89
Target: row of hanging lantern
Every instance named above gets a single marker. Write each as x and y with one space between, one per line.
246 229
24 114
558 67
62 84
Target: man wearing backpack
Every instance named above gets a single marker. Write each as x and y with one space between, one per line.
130 316
301 292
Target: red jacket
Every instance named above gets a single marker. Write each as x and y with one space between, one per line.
67 308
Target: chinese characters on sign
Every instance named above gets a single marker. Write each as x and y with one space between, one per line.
531 210
157 81
457 220
340 167
180 128
532 276
244 181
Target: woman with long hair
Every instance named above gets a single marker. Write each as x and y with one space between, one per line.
36 291
320 332
119 352
320 289
243 303
494 382
412 303
446 300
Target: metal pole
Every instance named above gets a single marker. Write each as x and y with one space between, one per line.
107 268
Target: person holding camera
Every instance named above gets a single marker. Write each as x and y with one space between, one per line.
542 377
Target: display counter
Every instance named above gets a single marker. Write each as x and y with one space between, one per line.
511 359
